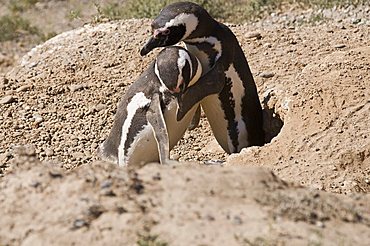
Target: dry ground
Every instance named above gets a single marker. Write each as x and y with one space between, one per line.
60 101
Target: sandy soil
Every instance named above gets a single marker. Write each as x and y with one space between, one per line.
60 98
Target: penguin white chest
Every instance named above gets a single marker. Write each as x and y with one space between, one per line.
144 148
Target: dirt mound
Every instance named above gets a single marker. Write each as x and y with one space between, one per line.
60 101
185 205
325 139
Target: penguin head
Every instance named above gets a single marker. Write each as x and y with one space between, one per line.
175 22
177 69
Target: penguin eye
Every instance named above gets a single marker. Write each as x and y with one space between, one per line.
161 32
166 31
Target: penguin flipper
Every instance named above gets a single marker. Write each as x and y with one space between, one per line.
155 118
211 83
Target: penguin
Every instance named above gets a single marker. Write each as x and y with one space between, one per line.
145 127
234 114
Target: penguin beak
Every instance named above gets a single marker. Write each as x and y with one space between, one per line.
176 91
159 39
150 45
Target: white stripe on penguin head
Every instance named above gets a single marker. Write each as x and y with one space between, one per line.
217 46
189 20
156 71
181 62
198 73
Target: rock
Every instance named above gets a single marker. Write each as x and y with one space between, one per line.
356 21
214 162
267 75
78 223
5 80
100 107
339 46
256 35
55 173
38 118
106 184
33 64
74 88
7 99
49 152
23 88
197 148
78 155
237 220
3 158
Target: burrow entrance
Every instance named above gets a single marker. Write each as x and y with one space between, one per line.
272 120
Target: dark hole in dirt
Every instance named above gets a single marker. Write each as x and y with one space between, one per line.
272 122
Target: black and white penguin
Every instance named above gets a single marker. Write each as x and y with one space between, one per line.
145 126
235 114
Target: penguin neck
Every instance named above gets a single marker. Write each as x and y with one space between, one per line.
207 49
205 28
197 73
203 43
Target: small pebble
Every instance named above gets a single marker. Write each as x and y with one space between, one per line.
100 107
35 184
55 173
7 99
74 88
33 64
79 223
339 46
237 220
78 155
3 158
267 75
49 152
320 224
214 162
356 21
253 35
38 119
197 148
5 80
106 184
23 88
